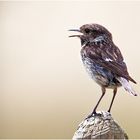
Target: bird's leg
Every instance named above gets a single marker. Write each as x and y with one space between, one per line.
114 94
103 93
94 110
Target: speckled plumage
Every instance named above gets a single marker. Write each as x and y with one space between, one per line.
100 74
103 59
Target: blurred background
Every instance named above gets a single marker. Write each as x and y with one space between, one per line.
44 89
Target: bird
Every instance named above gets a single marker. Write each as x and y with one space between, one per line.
103 60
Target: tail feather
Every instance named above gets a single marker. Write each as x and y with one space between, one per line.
126 85
132 80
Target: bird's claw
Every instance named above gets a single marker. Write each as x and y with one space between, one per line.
91 115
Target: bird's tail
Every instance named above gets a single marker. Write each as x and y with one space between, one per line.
126 85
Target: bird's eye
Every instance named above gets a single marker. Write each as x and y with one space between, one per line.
87 30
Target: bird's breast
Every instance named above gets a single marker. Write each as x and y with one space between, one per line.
99 74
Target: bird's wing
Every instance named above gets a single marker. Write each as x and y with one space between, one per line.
109 58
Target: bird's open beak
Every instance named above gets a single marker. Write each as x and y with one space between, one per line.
75 30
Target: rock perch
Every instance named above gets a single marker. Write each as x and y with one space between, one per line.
99 126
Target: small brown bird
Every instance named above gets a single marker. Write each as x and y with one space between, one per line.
103 60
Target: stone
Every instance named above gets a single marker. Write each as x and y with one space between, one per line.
99 126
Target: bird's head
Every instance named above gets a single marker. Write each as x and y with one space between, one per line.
91 31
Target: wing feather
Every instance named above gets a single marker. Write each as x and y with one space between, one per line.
116 64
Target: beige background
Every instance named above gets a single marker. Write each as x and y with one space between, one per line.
44 89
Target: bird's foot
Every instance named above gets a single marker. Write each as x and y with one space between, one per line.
93 114
108 111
